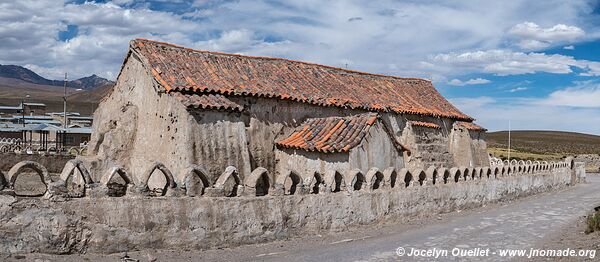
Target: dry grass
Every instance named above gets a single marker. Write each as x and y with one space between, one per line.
546 142
502 153
593 222
84 102
543 145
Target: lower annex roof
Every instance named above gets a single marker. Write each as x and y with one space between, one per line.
330 134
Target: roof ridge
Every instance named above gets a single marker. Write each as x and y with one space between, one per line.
470 125
281 59
368 113
181 69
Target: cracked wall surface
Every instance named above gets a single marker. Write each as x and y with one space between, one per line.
116 224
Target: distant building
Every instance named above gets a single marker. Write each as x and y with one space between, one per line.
82 121
9 130
60 114
76 136
36 128
10 110
73 118
46 135
34 108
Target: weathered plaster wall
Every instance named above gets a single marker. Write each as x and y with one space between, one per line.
306 163
377 150
592 161
468 148
266 119
106 225
429 147
220 140
136 125
460 146
479 153
54 163
448 146
269 118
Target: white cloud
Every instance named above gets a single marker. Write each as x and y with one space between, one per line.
531 44
467 104
593 68
583 94
476 81
392 37
569 47
230 41
200 2
505 62
559 32
517 89
30 35
495 113
242 41
575 108
122 2
534 37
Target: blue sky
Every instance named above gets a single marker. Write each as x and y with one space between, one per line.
535 63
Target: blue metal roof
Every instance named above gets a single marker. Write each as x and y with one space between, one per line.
10 108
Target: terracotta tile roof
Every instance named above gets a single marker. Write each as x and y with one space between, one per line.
470 126
331 134
424 124
207 101
183 69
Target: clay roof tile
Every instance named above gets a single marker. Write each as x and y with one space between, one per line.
330 134
470 126
207 101
424 124
179 68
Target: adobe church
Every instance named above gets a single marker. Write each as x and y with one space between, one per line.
183 107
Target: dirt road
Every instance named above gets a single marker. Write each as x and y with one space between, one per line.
519 225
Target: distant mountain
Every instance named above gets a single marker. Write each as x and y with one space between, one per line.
90 82
26 75
22 73
82 101
92 96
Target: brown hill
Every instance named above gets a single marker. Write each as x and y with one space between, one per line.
93 96
23 74
13 91
546 142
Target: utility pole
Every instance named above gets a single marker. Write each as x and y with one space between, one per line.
65 104
23 111
509 142
64 114
23 108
